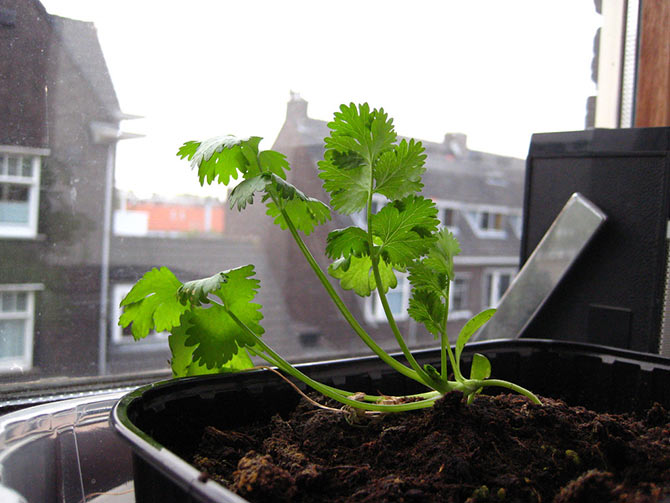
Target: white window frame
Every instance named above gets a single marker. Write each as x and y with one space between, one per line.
496 273
516 222
29 229
444 205
24 362
153 340
459 314
474 215
374 311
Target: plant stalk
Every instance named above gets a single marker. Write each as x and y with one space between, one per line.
385 357
480 383
276 359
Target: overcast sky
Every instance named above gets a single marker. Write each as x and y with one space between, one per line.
494 70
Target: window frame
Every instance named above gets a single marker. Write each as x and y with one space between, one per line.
23 363
374 311
455 208
29 229
648 31
495 273
116 338
474 214
460 314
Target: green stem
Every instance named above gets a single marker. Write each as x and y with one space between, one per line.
429 381
480 383
384 301
446 346
276 359
444 338
346 393
339 303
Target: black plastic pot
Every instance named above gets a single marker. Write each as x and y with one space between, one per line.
163 421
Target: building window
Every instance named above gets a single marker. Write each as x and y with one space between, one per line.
447 216
496 282
123 336
487 224
458 298
19 192
398 300
17 321
489 221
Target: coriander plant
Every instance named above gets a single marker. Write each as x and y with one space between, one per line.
213 322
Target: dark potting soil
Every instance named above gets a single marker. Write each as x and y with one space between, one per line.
498 449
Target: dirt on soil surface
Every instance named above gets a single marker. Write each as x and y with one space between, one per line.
498 449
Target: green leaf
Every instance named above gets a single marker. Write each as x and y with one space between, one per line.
286 190
243 193
405 228
481 367
355 273
214 333
422 277
236 288
441 254
216 339
398 172
427 308
358 137
361 130
153 304
188 149
236 291
470 328
197 292
305 214
347 242
347 160
222 157
349 189
182 363
273 162
182 356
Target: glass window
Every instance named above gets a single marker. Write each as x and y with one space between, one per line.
92 195
19 195
496 283
397 298
458 295
123 336
16 327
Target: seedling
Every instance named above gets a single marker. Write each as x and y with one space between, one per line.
213 322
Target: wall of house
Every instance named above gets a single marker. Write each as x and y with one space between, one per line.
65 257
24 37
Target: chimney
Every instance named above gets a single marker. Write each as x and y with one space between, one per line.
296 110
456 143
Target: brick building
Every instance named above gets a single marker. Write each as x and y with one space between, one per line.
479 196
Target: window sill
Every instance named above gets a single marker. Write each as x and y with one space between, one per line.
15 396
28 237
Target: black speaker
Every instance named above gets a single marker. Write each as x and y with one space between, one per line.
615 293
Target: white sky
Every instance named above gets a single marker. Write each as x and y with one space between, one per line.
495 70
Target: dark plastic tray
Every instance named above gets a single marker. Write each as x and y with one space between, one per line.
162 421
